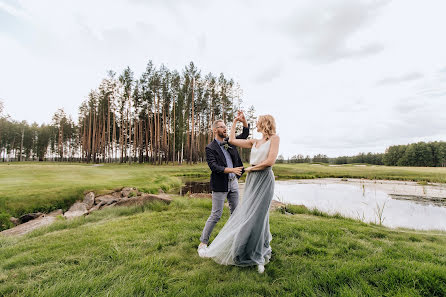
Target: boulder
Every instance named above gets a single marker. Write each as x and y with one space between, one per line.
108 205
15 221
29 226
29 216
76 210
117 194
106 199
125 192
56 213
89 199
144 198
94 208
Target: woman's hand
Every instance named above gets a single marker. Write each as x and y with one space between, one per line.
249 169
240 117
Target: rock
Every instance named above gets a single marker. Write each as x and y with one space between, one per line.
117 194
55 213
108 205
15 221
89 199
29 226
144 198
31 221
29 216
94 208
76 210
106 199
160 197
125 192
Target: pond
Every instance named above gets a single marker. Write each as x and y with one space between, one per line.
394 204
193 186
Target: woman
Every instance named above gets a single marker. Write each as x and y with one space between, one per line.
245 238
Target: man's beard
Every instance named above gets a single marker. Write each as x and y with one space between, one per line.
222 134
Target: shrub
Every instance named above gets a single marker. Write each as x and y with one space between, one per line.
5 223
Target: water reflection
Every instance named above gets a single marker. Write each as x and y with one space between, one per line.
365 203
192 187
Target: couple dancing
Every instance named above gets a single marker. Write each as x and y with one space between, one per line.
245 238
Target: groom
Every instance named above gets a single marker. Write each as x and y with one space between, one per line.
227 167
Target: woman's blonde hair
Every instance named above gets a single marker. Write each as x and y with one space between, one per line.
267 125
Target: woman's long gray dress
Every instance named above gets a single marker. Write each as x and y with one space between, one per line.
245 238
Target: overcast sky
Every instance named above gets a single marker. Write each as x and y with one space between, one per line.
340 77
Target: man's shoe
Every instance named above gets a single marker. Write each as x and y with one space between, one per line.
202 250
260 268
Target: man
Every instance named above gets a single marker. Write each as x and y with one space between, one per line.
227 167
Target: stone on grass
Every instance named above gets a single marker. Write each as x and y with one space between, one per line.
76 210
31 225
144 198
15 221
56 212
29 216
94 208
126 192
106 199
108 205
89 199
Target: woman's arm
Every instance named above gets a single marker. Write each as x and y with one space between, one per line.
272 156
245 131
245 143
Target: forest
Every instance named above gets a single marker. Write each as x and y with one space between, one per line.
160 117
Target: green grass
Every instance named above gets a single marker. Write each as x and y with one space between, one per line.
151 251
31 186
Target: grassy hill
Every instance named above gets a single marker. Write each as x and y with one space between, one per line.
151 251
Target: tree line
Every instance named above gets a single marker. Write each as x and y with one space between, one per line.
420 154
160 117
369 158
430 154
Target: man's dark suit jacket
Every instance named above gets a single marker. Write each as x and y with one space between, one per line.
217 162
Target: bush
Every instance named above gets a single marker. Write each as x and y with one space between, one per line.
5 223
297 209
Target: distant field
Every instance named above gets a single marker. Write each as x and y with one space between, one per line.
32 186
428 174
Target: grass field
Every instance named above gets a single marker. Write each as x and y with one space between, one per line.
151 251
30 187
422 174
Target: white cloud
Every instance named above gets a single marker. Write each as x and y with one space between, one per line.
404 78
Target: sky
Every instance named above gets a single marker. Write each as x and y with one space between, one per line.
340 77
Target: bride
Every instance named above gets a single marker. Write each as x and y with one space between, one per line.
245 238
